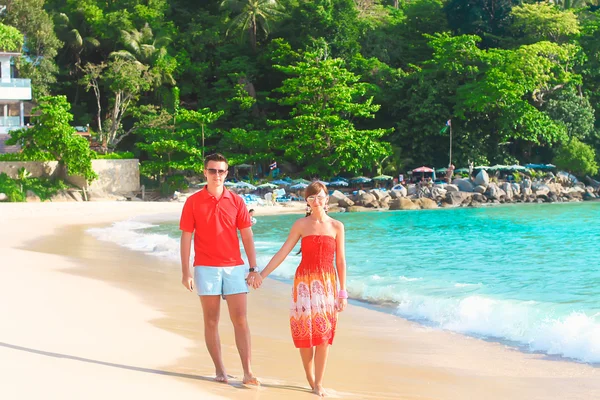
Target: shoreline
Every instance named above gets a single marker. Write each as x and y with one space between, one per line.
411 360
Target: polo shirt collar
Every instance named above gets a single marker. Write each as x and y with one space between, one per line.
226 193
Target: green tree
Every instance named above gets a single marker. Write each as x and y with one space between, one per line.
125 81
574 111
320 135
10 39
143 47
542 21
52 133
41 43
252 16
577 158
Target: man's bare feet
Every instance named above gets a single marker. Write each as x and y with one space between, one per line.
250 380
221 377
319 391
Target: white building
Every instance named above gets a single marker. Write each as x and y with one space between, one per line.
13 93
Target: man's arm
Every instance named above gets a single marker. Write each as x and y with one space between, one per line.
186 245
248 241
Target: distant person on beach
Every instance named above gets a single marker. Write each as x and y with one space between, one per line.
316 299
213 216
252 219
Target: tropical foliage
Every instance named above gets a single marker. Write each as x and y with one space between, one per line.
323 86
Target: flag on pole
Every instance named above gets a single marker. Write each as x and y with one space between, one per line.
445 128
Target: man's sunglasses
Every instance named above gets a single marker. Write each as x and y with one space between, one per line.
214 171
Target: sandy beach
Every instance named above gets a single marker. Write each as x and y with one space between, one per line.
81 318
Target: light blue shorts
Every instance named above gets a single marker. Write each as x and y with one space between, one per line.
220 281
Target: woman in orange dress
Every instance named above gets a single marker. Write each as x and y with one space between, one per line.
316 299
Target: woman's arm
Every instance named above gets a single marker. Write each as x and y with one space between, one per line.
293 237
340 263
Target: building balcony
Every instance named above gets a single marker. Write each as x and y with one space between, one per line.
15 89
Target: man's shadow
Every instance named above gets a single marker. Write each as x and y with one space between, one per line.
142 369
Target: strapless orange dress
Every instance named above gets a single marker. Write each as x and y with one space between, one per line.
313 315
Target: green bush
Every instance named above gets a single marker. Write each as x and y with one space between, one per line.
11 188
173 183
23 157
125 155
16 189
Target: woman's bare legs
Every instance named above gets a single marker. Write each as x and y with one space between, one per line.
321 353
307 355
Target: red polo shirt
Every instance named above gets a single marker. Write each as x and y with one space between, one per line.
215 224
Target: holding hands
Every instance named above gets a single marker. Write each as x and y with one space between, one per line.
254 279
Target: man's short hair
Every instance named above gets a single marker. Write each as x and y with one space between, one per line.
215 157
251 210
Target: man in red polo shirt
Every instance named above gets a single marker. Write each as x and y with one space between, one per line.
213 216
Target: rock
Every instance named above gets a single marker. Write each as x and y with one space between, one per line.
593 183
458 198
403 204
397 193
589 196
385 202
340 199
540 189
61 196
426 204
516 188
482 179
464 185
478 198
3 197
479 189
31 197
356 209
438 192
411 189
493 192
507 187
566 178
366 200
451 188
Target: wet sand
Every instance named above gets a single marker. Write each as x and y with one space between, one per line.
84 318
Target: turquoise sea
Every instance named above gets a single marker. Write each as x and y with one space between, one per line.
526 275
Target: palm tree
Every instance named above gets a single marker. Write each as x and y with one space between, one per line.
252 15
142 47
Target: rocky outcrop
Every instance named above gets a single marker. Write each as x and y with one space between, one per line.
464 185
403 203
482 179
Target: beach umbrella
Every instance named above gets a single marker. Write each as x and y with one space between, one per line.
481 167
299 186
360 179
441 170
267 185
383 178
280 182
338 178
229 183
540 166
422 169
244 185
296 181
517 168
462 170
338 183
243 166
499 167
323 182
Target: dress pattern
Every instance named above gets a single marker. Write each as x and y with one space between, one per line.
313 316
